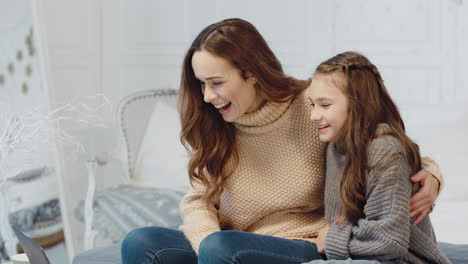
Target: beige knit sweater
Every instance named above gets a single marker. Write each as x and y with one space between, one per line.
277 187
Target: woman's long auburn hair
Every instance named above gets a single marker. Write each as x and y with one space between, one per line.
209 140
369 104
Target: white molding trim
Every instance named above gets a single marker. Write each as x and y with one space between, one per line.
39 26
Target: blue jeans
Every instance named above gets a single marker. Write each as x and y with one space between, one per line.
157 245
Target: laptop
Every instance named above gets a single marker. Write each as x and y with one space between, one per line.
35 253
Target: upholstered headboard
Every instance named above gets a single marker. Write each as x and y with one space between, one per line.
134 113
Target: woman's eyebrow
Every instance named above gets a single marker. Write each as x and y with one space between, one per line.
321 99
213 77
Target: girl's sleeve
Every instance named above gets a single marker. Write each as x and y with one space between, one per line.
384 231
200 218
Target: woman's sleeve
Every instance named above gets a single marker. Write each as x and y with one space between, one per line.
200 218
384 231
431 166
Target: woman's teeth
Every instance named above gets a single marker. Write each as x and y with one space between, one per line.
220 106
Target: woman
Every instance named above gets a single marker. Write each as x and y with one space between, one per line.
254 167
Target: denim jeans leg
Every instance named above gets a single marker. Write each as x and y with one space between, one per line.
237 247
157 245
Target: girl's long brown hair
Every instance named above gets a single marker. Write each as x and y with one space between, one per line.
210 140
369 105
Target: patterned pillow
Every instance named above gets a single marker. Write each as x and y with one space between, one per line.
120 209
40 220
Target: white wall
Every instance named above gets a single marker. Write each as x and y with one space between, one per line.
118 47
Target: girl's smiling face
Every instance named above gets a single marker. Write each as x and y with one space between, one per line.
329 105
223 86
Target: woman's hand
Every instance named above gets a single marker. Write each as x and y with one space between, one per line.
322 235
422 201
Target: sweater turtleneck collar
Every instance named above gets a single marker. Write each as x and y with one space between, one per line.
266 115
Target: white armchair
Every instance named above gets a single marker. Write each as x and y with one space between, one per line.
155 179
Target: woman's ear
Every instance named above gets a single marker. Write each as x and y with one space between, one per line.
251 78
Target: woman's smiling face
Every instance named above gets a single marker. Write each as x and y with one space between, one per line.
223 86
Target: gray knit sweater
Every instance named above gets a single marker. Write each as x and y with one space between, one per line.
385 233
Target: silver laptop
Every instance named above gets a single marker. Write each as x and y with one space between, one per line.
35 253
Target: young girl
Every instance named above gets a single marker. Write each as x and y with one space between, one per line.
369 161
